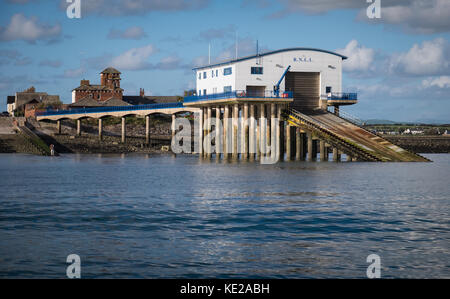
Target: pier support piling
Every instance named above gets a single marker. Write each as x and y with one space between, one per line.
123 129
100 129
78 127
147 129
58 126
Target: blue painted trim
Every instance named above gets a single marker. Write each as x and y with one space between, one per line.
270 53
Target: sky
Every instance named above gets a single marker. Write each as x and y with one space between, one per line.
399 64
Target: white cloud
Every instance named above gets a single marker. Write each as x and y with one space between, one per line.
28 29
429 58
169 63
134 32
134 59
360 58
418 16
441 82
74 73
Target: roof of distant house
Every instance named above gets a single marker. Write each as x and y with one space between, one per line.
110 70
95 87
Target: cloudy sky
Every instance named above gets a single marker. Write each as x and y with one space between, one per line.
399 64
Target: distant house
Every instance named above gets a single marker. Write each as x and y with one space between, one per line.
17 104
90 102
109 87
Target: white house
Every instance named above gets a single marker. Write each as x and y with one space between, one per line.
312 73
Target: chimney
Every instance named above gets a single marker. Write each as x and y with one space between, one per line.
84 82
141 92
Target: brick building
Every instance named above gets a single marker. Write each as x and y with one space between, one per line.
109 87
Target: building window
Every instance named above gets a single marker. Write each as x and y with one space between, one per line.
328 89
227 71
217 73
204 75
204 92
199 76
215 90
227 89
199 92
257 70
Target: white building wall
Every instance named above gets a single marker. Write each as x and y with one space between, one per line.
328 65
216 83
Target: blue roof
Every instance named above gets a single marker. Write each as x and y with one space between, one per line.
269 53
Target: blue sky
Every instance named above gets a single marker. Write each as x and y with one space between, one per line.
399 64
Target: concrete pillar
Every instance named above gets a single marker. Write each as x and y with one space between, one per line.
208 154
226 130
288 142
79 127
205 131
245 132
310 147
336 155
263 130
172 127
235 131
58 126
100 129
336 110
200 133
147 129
251 135
218 140
323 151
280 136
273 132
123 129
298 144
258 132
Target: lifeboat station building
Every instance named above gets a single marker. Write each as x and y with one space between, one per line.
263 87
311 75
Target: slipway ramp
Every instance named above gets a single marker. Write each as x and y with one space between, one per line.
350 138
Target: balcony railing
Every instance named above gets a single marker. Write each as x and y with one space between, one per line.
238 94
110 109
340 96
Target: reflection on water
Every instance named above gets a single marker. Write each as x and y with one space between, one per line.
163 216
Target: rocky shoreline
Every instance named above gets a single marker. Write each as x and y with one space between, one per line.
422 144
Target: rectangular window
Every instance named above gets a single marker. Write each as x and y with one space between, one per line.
215 90
328 89
217 73
204 92
257 70
227 89
199 92
212 74
204 75
199 76
227 71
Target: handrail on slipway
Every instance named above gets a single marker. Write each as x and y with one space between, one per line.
110 109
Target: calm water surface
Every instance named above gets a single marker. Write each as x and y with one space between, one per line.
139 216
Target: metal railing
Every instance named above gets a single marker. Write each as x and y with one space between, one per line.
111 109
340 96
349 117
238 94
